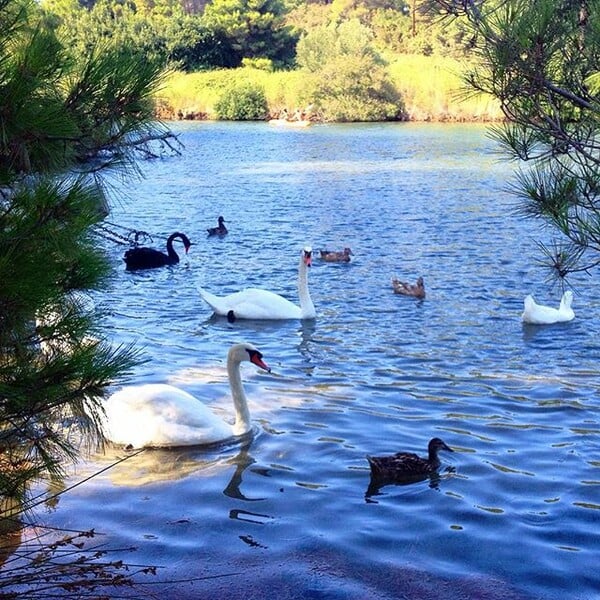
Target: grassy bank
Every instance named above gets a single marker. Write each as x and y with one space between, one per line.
431 88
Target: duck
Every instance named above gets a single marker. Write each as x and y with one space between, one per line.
537 314
256 303
404 465
158 415
220 229
332 256
149 258
417 290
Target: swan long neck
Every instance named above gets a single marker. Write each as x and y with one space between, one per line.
240 404
170 250
306 304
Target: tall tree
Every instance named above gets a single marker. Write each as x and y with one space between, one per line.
255 28
346 79
63 123
126 24
541 59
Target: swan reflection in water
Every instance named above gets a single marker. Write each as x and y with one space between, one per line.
306 333
136 468
241 461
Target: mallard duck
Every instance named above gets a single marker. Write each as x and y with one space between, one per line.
149 258
417 290
404 465
332 256
538 314
220 229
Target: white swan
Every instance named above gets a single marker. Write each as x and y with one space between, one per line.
160 415
538 314
254 303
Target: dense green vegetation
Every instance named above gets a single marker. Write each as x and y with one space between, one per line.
423 97
64 121
351 56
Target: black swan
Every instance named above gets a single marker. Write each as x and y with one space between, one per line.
149 258
220 229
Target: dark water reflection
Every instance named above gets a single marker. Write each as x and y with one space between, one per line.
289 513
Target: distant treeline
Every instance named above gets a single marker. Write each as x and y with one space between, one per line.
249 59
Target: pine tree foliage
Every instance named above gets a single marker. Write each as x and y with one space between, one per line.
541 59
63 122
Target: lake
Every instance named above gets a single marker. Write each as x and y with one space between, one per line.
515 513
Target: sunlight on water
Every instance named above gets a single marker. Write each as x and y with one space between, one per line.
291 513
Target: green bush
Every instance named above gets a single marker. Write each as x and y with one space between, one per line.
242 102
260 64
355 89
348 76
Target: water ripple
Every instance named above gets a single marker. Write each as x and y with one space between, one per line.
515 515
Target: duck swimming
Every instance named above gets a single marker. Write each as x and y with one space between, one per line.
404 465
537 314
149 258
332 256
220 229
417 290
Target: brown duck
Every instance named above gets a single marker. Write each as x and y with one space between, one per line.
404 465
417 290
332 256
220 229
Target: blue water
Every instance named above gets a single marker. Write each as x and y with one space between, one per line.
288 515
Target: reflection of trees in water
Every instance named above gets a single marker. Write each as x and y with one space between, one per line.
11 527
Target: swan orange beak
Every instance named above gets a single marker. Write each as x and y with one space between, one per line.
256 358
307 259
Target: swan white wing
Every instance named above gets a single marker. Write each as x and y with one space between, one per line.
538 314
253 303
216 303
161 415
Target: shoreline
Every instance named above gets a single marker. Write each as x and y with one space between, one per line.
191 115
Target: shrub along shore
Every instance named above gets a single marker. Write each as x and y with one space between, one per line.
428 89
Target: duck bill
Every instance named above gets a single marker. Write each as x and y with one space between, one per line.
445 447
